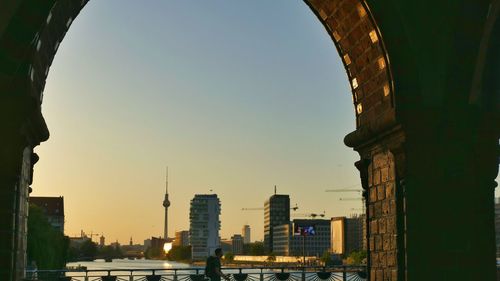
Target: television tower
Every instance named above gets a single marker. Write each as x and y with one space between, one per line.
166 204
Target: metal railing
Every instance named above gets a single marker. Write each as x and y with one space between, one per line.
336 273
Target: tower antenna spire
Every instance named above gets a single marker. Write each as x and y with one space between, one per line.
274 189
166 204
166 180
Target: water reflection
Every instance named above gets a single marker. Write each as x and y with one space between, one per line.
129 264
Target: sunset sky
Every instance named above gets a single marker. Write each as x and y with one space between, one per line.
234 96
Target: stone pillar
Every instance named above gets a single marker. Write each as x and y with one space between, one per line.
382 216
16 175
379 176
15 166
429 191
449 195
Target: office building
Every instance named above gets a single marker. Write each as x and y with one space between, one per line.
347 235
237 244
181 238
204 225
245 232
288 243
53 208
276 212
281 239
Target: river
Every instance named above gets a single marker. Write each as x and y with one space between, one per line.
148 265
129 264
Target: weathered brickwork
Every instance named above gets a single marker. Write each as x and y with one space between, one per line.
22 210
382 242
362 51
361 48
47 42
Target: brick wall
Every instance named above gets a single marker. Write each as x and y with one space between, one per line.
382 242
360 46
359 42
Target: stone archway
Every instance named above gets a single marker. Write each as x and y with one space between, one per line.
429 156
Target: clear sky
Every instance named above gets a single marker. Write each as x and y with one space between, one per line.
234 96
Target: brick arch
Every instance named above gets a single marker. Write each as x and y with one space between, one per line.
485 91
438 143
360 45
26 62
349 23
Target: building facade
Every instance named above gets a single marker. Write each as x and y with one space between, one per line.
347 235
237 244
276 212
281 239
181 238
288 243
53 208
245 232
204 225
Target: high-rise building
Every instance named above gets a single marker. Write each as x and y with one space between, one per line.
53 208
245 232
181 238
204 225
237 244
347 234
166 204
276 212
287 243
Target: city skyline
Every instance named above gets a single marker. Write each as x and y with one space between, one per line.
236 109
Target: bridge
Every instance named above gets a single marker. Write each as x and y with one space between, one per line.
337 273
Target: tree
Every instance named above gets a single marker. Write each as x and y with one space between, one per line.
47 246
257 249
229 257
88 250
326 258
110 252
356 257
179 253
271 257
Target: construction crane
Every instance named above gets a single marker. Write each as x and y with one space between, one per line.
348 188
294 208
312 215
91 235
351 199
356 199
344 190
